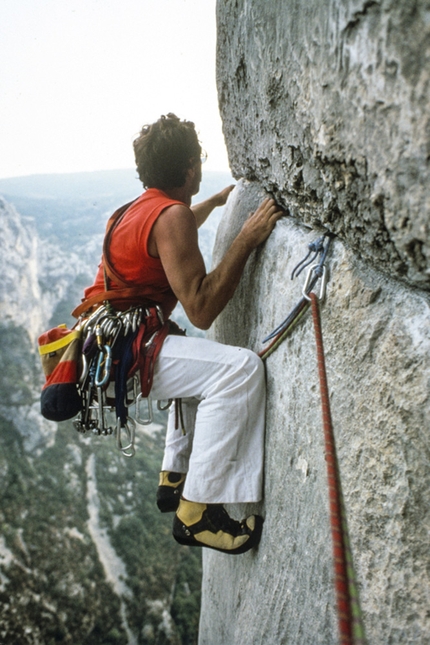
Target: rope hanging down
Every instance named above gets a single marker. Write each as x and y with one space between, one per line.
351 631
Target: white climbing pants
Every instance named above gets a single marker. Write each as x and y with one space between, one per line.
223 392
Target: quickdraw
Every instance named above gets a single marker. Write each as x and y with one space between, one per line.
106 387
318 249
351 630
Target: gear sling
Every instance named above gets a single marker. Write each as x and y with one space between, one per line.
105 364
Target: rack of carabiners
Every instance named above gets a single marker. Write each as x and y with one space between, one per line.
105 389
315 260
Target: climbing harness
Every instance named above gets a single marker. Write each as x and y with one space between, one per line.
105 364
119 349
351 630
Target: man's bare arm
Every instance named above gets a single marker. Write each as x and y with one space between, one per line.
204 209
204 295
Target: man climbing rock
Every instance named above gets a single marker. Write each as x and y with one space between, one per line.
215 456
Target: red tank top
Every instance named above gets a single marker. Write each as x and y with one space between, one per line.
128 252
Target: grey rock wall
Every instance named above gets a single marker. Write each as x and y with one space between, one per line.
377 343
326 105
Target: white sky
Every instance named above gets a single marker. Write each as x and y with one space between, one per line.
79 78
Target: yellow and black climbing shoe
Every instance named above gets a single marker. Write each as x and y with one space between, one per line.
210 525
170 487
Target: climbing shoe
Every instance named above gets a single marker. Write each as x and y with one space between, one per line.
210 525
169 490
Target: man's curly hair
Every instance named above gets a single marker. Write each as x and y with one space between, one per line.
164 151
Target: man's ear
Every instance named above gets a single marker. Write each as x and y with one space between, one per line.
191 173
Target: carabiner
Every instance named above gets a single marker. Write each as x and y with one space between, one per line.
160 314
129 427
102 428
136 318
88 324
99 335
144 421
104 364
162 407
315 248
308 280
126 324
85 370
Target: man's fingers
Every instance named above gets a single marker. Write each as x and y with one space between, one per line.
270 209
262 221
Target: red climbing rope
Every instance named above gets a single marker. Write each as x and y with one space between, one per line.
339 550
351 629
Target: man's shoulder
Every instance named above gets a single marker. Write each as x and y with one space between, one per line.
175 213
176 224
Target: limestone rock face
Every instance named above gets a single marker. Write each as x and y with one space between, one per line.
326 105
377 344
20 290
36 276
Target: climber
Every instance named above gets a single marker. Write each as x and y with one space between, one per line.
219 457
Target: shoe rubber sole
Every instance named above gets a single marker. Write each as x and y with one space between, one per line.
185 540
